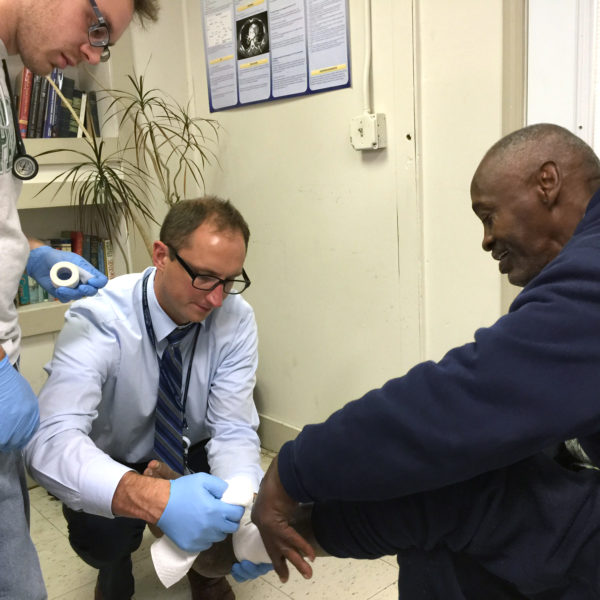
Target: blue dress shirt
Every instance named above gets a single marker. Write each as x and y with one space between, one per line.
99 400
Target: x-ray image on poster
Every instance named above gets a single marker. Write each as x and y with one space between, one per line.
252 36
261 50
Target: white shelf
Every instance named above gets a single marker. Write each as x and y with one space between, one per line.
32 195
44 317
70 144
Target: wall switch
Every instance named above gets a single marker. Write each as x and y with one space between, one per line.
368 131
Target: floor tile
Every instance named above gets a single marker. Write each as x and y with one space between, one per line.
390 560
84 592
335 578
49 506
149 587
390 593
62 569
258 588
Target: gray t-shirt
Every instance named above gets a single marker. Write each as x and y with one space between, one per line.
14 248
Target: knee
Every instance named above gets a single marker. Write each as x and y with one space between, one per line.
99 540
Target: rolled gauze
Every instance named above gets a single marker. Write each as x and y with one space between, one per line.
68 274
170 561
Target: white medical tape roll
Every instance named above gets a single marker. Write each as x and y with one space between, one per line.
67 274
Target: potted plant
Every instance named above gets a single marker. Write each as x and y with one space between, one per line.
162 149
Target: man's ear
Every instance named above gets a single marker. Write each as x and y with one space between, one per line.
160 255
549 183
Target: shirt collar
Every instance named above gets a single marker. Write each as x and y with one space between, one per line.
161 322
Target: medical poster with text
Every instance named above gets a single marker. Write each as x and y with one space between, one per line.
263 50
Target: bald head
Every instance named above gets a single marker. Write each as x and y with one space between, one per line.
530 191
522 152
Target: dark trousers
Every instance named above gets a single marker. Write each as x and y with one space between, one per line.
107 544
531 530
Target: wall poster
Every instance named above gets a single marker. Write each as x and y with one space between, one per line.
264 50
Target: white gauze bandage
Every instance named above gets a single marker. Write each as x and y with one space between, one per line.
172 563
247 543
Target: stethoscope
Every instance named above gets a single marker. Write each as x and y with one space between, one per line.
24 166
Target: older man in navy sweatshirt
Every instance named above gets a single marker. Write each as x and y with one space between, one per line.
449 466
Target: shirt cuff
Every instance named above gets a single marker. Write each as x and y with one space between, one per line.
100 480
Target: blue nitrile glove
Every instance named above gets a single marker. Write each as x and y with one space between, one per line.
42 259
18 407
246 570
194 517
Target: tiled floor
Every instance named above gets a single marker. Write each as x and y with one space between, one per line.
69 578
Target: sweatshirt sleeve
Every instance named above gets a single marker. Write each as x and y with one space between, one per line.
529 381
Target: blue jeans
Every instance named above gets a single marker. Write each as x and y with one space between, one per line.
20 573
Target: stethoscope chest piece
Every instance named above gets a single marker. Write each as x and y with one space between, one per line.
25 167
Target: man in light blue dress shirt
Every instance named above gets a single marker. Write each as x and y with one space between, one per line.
97 408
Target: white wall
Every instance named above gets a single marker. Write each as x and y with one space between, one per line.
362 264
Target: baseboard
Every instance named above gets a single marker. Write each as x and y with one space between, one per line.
273 434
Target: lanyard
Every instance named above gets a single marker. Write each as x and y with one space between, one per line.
152 336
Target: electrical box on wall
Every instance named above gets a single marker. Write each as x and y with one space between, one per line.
368 132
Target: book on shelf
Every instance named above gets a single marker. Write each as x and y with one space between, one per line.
86 250
41 108
76 104
64 114
62 243
76 238
23 85
93 119
33 105
36 291
93 260
81 115
51 117
23 293
30 292
109 261
101 267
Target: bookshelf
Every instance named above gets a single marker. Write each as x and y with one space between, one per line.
45 216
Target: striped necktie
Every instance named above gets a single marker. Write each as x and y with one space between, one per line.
168 429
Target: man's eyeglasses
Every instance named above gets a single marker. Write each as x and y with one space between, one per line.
208 283
98 33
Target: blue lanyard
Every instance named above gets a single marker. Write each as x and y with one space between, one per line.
152 336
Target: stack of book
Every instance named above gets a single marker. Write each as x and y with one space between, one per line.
41 112
97 251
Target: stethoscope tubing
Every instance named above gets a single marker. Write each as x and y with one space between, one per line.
24 167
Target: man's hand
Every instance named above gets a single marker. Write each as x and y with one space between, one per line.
43 258
18 407
272 512
194 517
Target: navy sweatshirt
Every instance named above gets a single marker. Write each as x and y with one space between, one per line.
526 383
